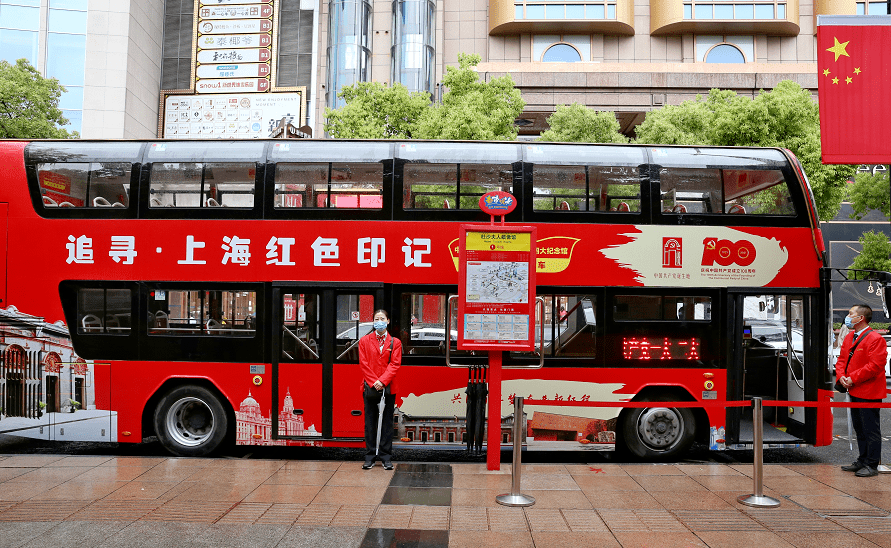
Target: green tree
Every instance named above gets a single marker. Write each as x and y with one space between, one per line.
376 111
869 191
29 104
472 109
875 254
578 124
785 117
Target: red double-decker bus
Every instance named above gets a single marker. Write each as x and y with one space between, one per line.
210 292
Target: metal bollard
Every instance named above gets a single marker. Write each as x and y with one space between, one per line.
515 498
757 499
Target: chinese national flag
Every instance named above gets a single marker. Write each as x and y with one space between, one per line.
855 89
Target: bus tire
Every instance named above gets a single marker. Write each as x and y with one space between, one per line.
190 421
658 433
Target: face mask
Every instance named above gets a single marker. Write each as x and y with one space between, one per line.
848 323
380 325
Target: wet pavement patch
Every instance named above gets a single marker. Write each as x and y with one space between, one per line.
404 538
421 484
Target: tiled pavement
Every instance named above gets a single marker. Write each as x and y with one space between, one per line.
109 502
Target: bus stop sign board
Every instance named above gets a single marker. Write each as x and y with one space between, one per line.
496 307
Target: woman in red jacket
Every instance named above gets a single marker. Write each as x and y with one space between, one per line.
863 374
380 355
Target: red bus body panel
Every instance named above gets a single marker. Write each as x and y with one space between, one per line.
618 255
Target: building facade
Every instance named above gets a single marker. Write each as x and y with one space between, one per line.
180 68
235 68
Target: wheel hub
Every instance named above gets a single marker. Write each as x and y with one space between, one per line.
190 422
660 427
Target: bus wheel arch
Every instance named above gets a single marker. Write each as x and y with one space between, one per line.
191 417
661 433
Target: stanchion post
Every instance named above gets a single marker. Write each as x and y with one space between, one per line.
757 499
515 498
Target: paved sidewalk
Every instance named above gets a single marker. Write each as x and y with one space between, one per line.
107 501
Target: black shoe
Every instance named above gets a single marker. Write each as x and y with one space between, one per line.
367 465
853 467
388 466
866 472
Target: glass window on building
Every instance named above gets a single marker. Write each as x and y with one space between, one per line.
349 25
176 53
561 53
413 44
19 23
561 48
725 53
66 48
295 44
725 49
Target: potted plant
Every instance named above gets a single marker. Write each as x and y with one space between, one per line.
75 405
40 407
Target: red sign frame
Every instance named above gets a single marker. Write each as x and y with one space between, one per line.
506 244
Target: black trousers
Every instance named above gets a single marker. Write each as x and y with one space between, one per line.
869 432
372 400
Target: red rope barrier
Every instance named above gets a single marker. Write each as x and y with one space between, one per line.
706 404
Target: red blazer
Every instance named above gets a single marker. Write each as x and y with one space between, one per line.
380 365
867 367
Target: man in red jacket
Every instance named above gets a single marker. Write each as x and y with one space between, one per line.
380 355
863 374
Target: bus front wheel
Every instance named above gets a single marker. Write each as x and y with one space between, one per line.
190 421
658 433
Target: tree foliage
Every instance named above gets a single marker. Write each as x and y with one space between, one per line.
376 111
875 255
578 124
869 191
471 109
785 117
29 104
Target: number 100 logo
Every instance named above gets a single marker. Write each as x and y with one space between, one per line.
726 253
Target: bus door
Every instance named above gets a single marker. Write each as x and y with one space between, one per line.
316 359
768 361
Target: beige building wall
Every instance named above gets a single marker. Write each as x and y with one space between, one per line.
122 69
634 74
628 74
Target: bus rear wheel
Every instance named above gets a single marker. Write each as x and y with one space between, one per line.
190 421
658 433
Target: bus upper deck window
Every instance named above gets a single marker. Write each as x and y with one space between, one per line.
586 188
430 186
194 184
560 188
356 186
452 186
82 184
324 185
725 191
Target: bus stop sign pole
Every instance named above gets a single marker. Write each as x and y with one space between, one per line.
493 440
496 304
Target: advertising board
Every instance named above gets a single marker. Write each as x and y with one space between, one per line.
496 308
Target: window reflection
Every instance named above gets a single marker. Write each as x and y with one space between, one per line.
18 44
413 44
349 22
